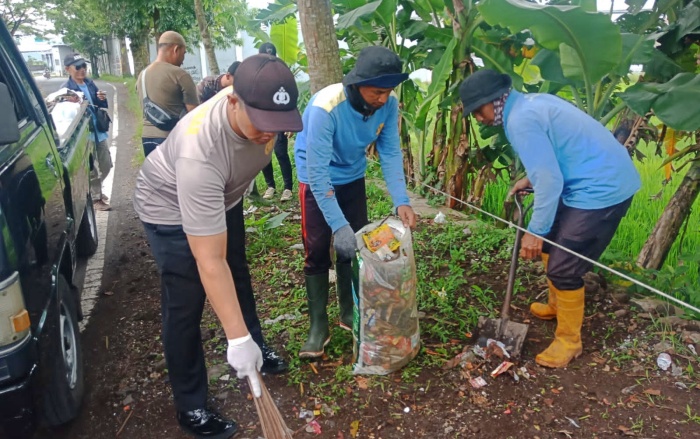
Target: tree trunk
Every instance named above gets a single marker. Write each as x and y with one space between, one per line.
95 68
124 58
656 248
321 43
140 52
206 38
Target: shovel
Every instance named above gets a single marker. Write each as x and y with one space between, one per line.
511 334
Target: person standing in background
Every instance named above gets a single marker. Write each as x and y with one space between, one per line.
76 67
168 86
281 152
211 85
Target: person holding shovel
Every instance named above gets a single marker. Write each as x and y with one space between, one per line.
340 122
583 182
189 197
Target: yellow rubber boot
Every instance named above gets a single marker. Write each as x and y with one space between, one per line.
567 338
546 311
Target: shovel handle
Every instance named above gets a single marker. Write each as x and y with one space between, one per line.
516 250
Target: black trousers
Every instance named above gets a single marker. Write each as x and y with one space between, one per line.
182 304
588 233
150 144
317 234
282 154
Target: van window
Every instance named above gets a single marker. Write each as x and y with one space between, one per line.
20 112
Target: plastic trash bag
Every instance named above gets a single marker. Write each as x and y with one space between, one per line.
63 114
385 326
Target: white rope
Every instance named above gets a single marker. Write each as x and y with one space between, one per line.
596 263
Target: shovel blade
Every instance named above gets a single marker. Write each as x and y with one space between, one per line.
511 334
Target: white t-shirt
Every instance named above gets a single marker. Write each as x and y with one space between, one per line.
201 170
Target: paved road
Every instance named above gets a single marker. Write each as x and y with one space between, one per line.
47 86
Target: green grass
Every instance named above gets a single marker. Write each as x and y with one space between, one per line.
134 106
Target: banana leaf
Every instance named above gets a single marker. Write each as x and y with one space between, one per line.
285 37
589 44
673 102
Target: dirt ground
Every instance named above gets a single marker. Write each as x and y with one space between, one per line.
614 389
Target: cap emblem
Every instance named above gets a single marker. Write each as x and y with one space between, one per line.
281 97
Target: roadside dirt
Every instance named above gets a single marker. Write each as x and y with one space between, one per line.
614 389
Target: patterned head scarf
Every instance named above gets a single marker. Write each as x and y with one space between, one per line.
498 106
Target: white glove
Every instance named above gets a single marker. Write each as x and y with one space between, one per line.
245 356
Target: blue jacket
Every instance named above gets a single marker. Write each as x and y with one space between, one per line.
72 85
568 156
331 150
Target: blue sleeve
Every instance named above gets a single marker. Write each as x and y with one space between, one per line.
391 158
529 139
319 150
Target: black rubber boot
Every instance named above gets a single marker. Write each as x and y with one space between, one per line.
343 287
317 297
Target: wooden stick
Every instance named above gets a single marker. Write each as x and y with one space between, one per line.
124 423
271 420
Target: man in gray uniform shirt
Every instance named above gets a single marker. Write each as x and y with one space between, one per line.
189 197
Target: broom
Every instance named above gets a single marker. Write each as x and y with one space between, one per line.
273 426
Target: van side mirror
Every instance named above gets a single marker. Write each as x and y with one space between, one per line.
9 130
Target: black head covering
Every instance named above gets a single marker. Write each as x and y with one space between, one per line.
376 66
482 87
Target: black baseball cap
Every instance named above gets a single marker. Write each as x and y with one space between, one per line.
233 67
73 59
268 48
269 91
482 87
376 66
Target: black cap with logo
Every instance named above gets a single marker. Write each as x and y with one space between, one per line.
72 59
269 91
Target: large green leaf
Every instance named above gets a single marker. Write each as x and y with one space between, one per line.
276 13
550 66
643 51
592 43
440 74
285 37
349 19
673 102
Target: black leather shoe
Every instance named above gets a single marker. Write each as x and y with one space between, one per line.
272 363
206 424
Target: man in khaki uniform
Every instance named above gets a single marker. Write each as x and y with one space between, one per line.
168 86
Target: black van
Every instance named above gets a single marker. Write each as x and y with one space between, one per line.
46 222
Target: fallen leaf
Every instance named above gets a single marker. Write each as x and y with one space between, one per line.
361 382
654 392
354 428
556 391
549 402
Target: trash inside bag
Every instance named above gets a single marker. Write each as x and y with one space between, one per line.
385 328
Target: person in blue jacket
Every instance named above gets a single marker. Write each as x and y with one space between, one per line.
76 66
583 182
340 122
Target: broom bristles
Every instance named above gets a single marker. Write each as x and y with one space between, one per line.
271 421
